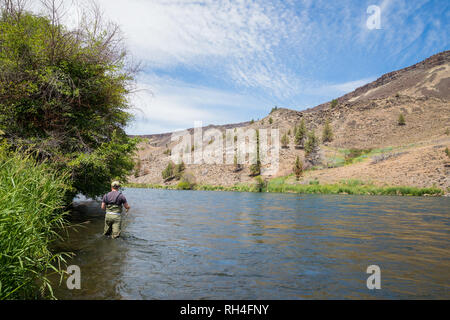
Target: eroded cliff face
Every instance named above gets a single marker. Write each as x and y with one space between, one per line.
367 118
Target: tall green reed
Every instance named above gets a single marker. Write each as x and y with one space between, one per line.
31 216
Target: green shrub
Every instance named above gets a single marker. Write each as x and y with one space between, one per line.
298 168
184 185
401 120
137 168
270 120
179 170
284 141
237 165
353 154
333 103
327 135
260 184
169 172
255 169
300 133
311 143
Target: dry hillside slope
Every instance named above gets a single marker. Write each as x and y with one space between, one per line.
365 119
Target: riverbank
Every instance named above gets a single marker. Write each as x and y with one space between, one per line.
284 185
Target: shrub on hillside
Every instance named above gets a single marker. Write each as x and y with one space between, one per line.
168 172
327 135
284 141
300 134
333 103
179 170
311 143
298 168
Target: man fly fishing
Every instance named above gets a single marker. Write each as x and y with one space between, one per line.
112 202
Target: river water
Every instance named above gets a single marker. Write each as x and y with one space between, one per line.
231 245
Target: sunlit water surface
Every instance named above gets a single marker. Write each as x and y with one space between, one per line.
230 245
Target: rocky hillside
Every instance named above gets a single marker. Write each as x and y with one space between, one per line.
368 142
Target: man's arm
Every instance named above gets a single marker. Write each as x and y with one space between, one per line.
103 203
124 202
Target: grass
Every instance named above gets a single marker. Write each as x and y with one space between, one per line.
31 214
281 184
350 156
356 187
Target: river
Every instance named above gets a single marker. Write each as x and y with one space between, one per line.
231 245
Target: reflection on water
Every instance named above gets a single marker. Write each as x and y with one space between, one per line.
225 245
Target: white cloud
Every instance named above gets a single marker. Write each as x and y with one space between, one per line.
237 37
165 104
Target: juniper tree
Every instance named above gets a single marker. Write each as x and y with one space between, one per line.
327 135
255 169
298 168
179 169
311 142
168 172
300 133
284 141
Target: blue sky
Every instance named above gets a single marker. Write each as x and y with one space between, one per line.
231 61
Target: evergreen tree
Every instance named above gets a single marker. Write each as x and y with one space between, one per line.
311 143
179 169
168 172
255 169
327 135
284 141
300 133
298 168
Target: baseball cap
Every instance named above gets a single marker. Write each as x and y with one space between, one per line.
115 184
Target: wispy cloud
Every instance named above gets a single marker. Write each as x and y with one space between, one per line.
165 104
199 53
239 38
